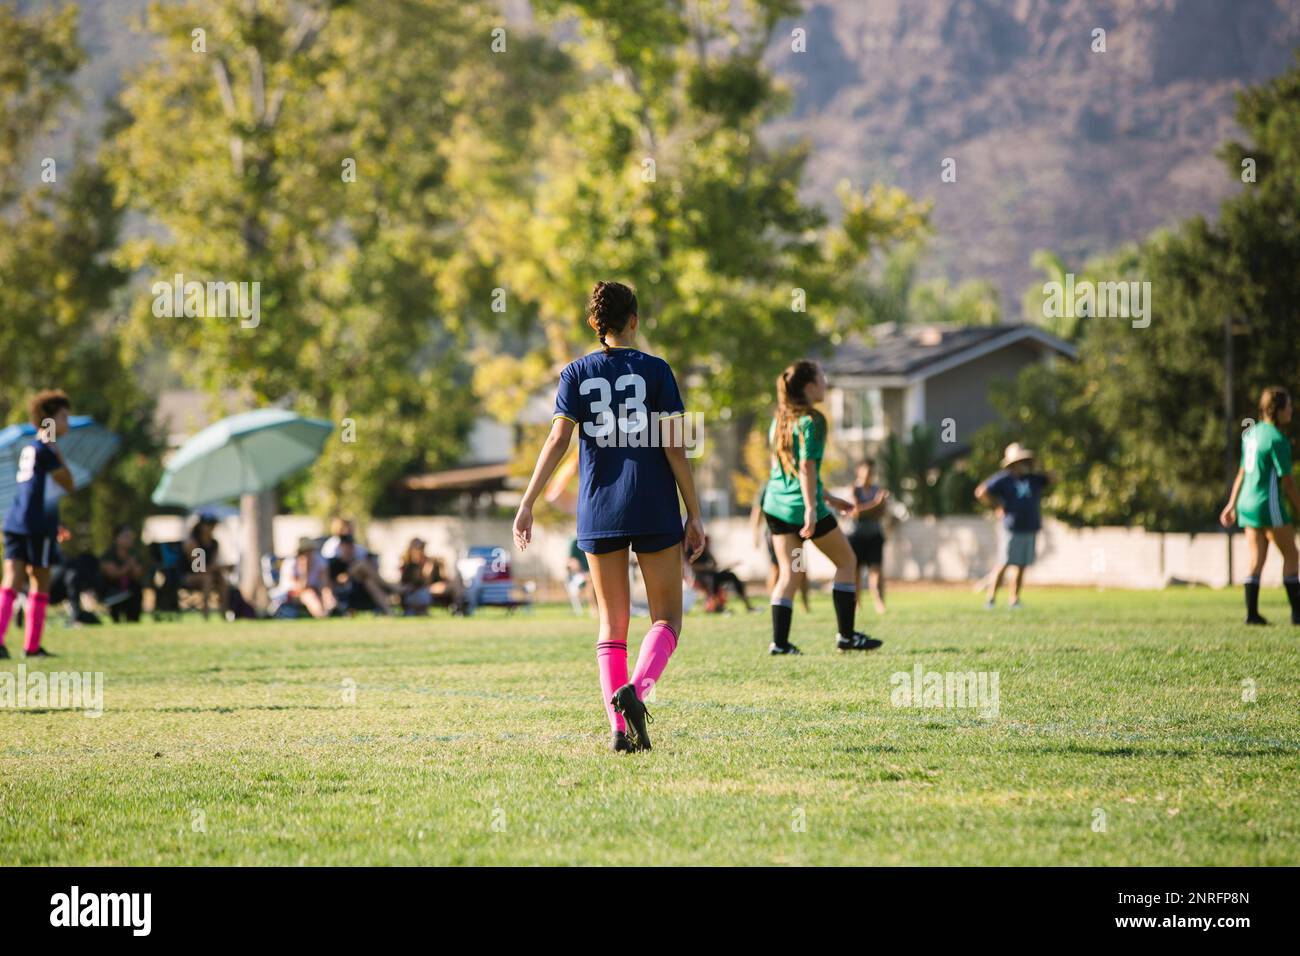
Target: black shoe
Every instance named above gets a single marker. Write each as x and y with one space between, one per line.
4 653
39 652
856 642
629 705
87 617
775 649
620 743
1255 619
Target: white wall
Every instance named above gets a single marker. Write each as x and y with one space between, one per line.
948 549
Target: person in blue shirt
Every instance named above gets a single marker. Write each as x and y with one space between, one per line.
628 413
31 528
1016 491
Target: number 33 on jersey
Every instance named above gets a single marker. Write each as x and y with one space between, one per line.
615 398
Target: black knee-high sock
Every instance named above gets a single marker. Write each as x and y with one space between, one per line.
845 597
1292 586
1252 597
782 615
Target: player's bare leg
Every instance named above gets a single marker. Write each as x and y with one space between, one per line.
995 584
876 582
1017 579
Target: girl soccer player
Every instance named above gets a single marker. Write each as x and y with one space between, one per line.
1260 497
632 462
30 530
795 506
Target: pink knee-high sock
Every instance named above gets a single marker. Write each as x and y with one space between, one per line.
7 598
611 658
36 605
659 643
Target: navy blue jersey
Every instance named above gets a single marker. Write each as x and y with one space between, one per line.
1020 498
27 514
616 399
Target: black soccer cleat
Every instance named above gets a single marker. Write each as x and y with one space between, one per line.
39 652
1255 619
634 712
4 653
620 743
857 641
778 649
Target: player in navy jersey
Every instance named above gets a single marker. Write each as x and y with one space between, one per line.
31 528
628 413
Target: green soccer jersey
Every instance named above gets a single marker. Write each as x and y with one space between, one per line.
783 498
1265 460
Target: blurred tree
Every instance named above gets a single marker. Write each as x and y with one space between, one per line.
653 171
336 154
58 327
919 481
1137 428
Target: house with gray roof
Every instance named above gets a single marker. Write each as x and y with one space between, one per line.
933 375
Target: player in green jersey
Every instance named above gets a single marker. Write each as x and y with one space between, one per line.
798 509
1264 500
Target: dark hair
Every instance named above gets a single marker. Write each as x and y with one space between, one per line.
790 407
868 463
1273 400
46 404
117 531
610 307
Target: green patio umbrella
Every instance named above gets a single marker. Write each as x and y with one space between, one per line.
241 455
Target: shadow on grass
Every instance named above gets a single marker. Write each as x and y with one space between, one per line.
1091 750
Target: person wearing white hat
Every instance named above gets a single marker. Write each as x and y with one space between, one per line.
1016 491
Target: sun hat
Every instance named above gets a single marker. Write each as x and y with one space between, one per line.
1016 452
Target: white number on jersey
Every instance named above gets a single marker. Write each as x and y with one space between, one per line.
632 416
26 464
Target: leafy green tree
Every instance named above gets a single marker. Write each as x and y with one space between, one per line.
58 286
335 153
652 170
915 477
1137 428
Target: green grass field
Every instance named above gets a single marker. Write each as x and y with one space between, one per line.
483 741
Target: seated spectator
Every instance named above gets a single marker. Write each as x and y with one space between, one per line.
121 577
425 583
206 573
70 578
446 587
304 582
355 581
358 567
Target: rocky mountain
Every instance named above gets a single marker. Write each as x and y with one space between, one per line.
1056 146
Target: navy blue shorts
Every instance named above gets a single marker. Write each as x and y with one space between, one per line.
648 543
37 550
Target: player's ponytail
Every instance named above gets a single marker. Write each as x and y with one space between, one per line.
791 405
1272 401
611 306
